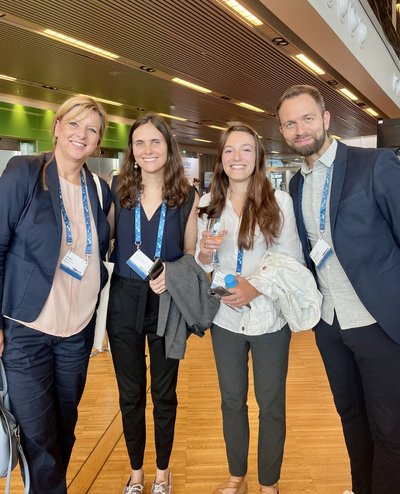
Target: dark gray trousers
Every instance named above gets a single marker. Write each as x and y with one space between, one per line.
270 363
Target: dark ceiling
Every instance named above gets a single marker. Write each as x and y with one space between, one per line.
197 40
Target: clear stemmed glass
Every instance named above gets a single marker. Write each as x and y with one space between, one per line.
216 227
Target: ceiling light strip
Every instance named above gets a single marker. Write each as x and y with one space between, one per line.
106 101
190 85
243 12
308 64
349 94
201 140
371 111
7 78
250 107
78 44
173 117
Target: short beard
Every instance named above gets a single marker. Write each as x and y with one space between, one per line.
312 148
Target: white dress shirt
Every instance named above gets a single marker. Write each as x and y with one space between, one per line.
338 293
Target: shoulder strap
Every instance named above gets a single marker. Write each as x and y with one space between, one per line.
117 204
12 431
184 212
98 187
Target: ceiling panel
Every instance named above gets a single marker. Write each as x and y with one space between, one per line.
198 40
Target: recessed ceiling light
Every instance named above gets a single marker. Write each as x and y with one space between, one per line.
173 117
243 12
78 44
309 64
335 137
190 85
274 152
250 107
280 41
107 101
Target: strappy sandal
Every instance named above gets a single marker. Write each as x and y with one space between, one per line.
239 485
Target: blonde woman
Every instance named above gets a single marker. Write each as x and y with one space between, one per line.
53 235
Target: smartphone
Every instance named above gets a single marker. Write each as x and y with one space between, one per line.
219 292
156 269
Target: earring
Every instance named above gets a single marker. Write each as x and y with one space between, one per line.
135 166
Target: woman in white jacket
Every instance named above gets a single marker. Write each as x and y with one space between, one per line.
256 219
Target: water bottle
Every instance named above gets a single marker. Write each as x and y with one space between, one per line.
231 282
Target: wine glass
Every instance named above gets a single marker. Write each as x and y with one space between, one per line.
216 227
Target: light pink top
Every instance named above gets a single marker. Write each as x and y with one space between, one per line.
71 303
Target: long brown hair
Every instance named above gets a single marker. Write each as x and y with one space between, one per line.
77 107
260 207
129 181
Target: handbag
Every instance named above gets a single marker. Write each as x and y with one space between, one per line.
101 315
10 446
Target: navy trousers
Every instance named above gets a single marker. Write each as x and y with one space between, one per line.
46 377
363 368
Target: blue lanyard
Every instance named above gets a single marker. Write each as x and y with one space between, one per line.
68 235
239 262
160 233
324 200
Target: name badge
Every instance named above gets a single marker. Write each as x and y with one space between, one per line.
74 265
140 263
218 279
321 252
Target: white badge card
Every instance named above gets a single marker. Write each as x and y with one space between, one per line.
140 263
218 279
321 252
73 265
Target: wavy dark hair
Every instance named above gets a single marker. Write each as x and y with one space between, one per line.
129 181
76 107
260 208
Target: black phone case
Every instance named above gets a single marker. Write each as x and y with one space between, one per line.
156 269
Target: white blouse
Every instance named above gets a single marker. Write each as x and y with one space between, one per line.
288 243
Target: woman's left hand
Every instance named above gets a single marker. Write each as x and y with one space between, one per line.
243 293
158 285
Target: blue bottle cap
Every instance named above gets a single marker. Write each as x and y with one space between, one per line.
230 281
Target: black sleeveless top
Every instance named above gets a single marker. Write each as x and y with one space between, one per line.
124 246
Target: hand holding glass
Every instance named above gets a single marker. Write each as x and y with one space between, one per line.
215 226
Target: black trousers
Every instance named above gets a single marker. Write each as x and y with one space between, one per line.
46 378
132 315
363 368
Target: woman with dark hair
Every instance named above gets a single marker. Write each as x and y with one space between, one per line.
155 218
255 219
53 237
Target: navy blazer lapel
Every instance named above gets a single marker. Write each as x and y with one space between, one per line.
53 185
338 177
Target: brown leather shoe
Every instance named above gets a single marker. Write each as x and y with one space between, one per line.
239 485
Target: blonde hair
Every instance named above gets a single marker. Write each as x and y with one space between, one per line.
77 107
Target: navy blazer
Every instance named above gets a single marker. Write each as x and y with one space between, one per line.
365 225
30 233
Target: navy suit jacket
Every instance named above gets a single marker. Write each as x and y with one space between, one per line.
365 225
30 234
